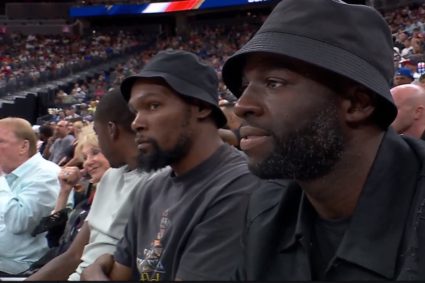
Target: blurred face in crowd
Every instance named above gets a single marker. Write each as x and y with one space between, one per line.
13 151
401 80
70 128
410 102
293 125
162 124
95 163
61 129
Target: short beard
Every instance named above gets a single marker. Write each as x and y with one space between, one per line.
162 158
308 153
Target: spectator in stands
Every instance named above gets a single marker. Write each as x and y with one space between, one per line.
72 179
56 147
28 192
45 132
111 207
188 219
70 114
403 76
70 158
314 91
94 165
409 64
58 115
410 102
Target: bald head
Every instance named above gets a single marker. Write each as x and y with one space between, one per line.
410 102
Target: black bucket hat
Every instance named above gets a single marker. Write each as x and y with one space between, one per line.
350 40
185 74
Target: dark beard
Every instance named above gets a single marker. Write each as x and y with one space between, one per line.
308 153
160 158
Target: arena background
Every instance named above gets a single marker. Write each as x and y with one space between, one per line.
29 85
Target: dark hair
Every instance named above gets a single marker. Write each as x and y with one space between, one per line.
112 107
46 130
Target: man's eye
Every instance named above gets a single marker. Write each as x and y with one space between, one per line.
272 83
153 106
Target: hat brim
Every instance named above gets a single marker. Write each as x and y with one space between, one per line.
317 53
182 87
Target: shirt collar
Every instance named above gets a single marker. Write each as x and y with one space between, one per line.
378 223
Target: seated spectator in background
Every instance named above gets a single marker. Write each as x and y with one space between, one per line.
44 133
114 197
403 76
189 217
412 65
410 102
314 93
62 139
70 158
70 113
95 165
28 192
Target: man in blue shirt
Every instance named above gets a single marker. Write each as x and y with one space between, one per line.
29 188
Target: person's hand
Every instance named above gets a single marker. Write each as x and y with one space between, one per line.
51 140
69 177
99 270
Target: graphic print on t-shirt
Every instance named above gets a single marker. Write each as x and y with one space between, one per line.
150 266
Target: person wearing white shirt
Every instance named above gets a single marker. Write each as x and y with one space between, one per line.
29 188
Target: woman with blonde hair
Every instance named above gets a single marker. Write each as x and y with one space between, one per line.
83 183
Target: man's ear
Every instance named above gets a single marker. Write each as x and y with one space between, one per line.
419 112
358 104
203 111
113 130
25 147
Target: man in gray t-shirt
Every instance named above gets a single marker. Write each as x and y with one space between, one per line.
188 226
188 220
62 142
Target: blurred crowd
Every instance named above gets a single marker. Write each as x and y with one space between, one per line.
27 60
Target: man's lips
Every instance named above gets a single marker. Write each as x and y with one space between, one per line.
252 137
249 131
141 140
142 143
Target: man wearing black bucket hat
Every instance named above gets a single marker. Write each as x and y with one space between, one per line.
314 91
189 218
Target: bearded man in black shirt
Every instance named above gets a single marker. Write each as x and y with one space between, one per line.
314 92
